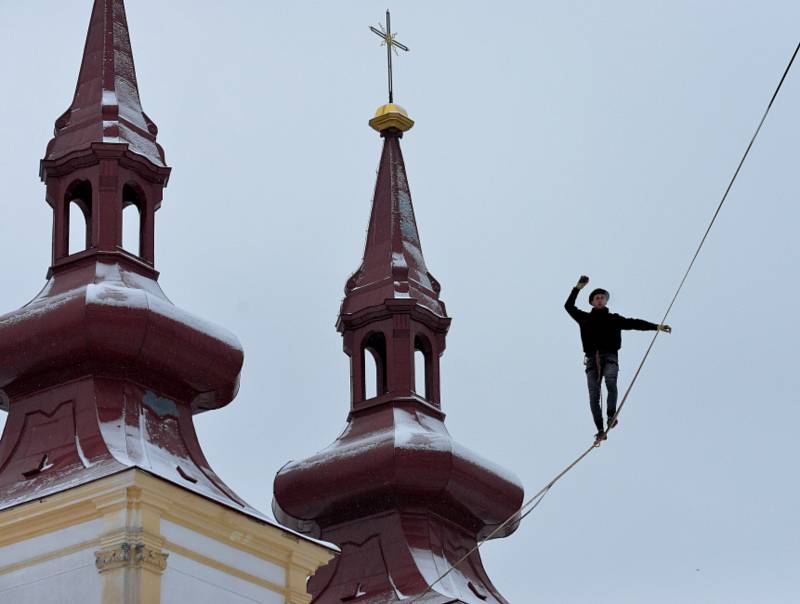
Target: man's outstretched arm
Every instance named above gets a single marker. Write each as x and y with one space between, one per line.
569 305
642 325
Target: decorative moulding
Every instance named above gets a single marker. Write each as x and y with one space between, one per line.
130 555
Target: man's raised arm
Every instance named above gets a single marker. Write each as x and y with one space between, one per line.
569 305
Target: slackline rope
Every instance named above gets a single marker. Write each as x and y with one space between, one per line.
534 501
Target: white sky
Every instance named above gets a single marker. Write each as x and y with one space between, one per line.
552 139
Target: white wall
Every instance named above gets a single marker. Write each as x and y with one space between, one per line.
71 577
187 580
67 579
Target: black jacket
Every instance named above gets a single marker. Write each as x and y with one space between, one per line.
601 329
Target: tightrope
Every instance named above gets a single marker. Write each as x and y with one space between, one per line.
532 503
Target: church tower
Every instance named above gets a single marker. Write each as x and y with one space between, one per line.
395 492
105 494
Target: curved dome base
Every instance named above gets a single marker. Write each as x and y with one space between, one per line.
395 557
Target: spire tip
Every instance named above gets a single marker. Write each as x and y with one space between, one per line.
391 115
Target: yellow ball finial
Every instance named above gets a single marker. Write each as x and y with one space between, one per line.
391 116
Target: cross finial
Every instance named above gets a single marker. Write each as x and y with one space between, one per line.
391 44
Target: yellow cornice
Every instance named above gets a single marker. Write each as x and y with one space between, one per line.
228 526
152 498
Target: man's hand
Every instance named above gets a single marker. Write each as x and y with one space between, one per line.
665 328
582 282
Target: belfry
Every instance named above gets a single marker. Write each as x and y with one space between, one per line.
395 492
105 494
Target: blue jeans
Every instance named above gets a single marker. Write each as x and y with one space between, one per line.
608 370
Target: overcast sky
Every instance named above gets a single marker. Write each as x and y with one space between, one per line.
552 139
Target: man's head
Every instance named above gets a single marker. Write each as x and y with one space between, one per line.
599 298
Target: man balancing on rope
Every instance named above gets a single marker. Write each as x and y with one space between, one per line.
602 338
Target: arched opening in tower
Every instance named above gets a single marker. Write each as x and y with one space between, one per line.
132 207
78 213
422 370
374 365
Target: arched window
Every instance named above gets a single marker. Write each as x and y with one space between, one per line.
370 376
77 217
419 373
131 229
422 369
132 205
78 229
373 354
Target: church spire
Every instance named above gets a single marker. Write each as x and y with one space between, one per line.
100 372
393 266
106 106
104 156
395 492
393 281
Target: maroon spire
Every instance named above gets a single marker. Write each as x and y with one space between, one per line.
104 156
393 266
106 107
100 372
395 492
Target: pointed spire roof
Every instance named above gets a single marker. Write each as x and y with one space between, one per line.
400 497
393 266
106 107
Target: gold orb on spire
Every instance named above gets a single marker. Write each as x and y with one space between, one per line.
391 115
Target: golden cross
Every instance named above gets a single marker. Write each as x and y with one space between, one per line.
391 44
